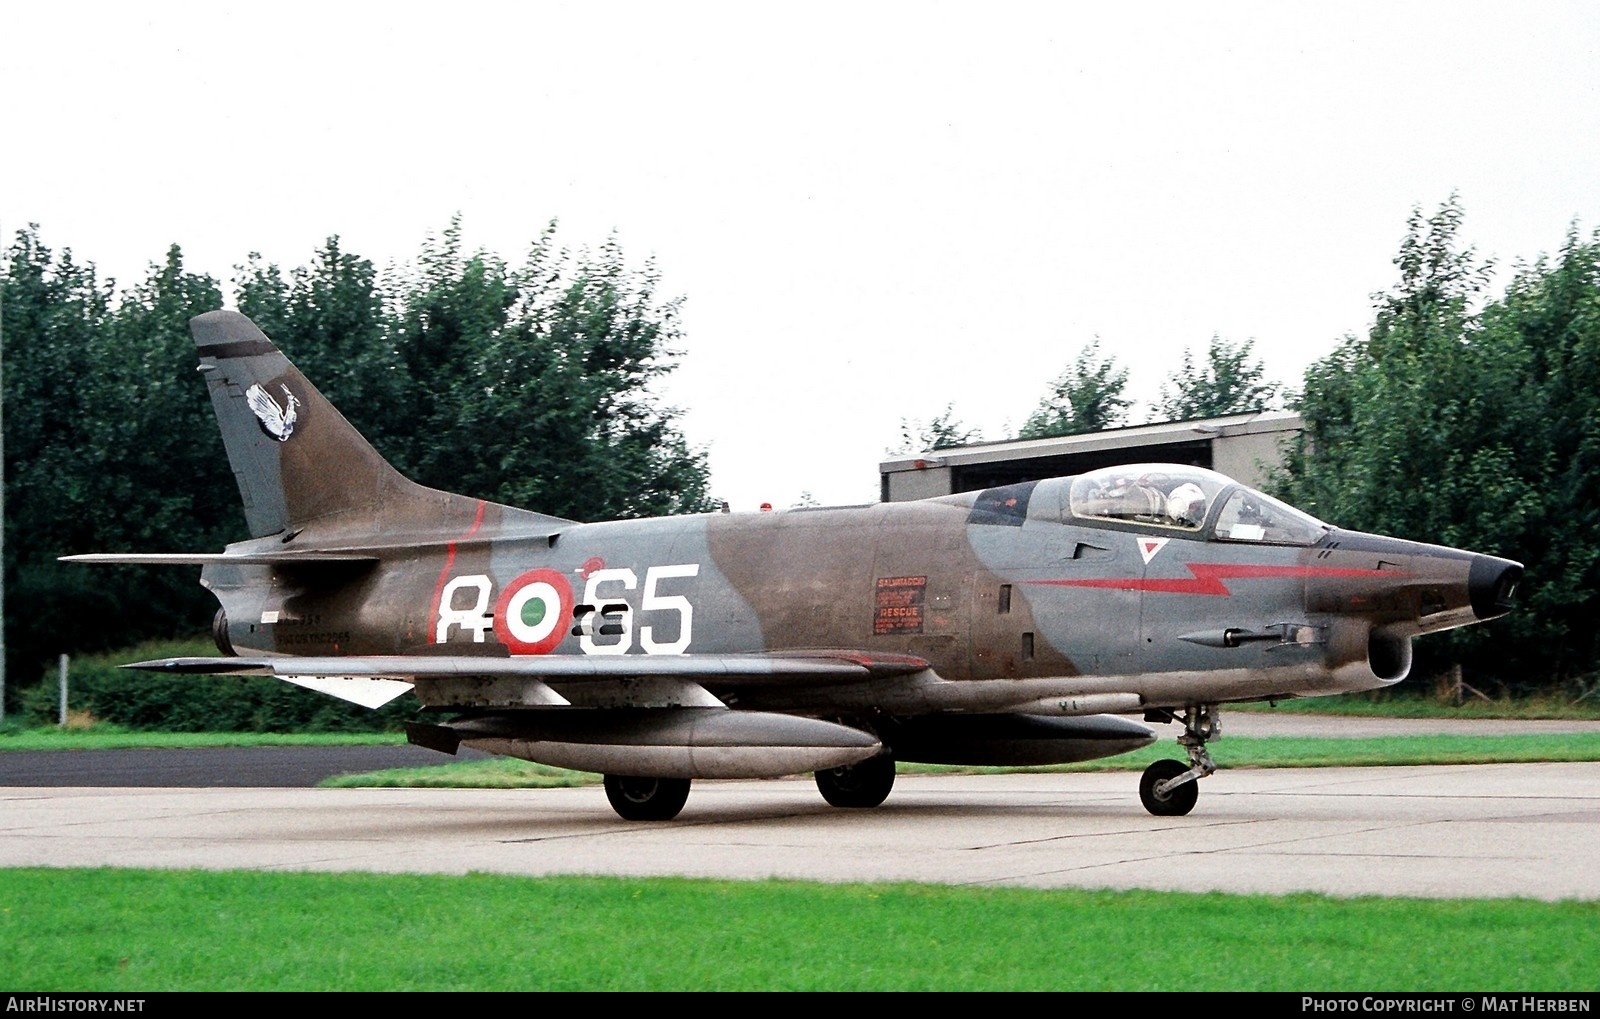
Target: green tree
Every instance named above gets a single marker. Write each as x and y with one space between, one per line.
1543 500
332 317
535 386
943 432
53 309
1474 427
106 449
155 424
531 386
1229 382
1087 397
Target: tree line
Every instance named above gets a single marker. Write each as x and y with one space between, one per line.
1472 419
529 384
1462 417
1091 395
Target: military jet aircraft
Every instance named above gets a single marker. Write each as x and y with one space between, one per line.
1013 626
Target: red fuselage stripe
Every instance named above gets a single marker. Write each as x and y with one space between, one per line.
449 561
1208 578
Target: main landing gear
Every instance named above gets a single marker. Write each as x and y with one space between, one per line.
1167 788
858 785
646 799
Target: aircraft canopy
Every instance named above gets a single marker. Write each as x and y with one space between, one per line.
1188 498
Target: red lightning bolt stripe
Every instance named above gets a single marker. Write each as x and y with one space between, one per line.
449 561
1209 577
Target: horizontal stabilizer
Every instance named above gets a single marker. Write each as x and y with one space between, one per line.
368 550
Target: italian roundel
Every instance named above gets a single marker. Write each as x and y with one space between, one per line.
531 614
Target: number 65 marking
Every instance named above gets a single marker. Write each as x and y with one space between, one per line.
597 600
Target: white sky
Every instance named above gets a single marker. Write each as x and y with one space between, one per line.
872 209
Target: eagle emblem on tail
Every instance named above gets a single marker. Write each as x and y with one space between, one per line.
276 421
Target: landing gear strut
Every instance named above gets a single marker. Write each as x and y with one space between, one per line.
1167 788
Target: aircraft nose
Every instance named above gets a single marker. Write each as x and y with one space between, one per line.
1492 585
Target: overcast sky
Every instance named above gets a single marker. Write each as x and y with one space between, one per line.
872 210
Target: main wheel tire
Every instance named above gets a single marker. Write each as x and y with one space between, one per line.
646 799
858 785
1177 802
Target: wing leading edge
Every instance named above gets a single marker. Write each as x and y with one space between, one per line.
822 666
520 681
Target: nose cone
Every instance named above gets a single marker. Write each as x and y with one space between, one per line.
1492 585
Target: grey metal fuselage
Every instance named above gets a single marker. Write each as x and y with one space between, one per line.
1026 608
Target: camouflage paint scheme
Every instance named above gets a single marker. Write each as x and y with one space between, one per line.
1010 626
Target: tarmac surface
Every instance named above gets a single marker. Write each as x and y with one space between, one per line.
1522 830
205 767
296 767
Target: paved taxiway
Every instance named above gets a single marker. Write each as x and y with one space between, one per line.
1523 830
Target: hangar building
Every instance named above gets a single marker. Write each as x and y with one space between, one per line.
1245 447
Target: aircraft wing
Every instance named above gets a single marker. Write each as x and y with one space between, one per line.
820 666
597 680
214 558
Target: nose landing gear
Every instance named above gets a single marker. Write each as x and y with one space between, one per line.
1167 788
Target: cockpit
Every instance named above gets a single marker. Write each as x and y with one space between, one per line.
1189 499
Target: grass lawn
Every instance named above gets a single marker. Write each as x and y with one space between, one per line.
127 931
138 930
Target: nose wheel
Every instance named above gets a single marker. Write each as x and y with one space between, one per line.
1167 788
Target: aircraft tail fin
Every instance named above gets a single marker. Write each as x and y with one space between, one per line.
299 463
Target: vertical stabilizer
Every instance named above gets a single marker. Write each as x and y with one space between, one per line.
295 457
298 462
